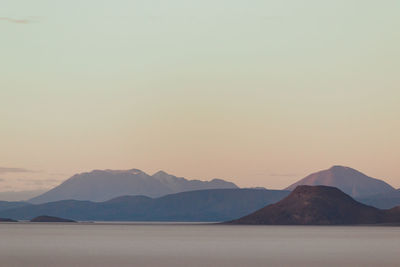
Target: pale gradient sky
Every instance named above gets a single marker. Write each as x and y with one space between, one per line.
257 92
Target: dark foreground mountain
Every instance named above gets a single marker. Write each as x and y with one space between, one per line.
350 181
104 185
203 205
7 220
45 218
383 201
319 205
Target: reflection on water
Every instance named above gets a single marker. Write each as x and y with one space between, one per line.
95 244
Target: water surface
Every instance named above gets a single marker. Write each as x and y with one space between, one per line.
97 244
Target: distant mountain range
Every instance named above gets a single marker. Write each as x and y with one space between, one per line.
136 196
350 181
102 185
6 205
194 206
319 205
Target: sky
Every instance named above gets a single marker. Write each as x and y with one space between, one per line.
260 93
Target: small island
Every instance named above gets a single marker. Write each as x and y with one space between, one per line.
7 220
45 218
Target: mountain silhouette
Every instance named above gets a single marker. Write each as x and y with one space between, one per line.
203 205
319 205
384 200
102 185
350 181
6 205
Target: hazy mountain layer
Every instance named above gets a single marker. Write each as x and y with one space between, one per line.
5 205
383 201
203 205
102 185
350 181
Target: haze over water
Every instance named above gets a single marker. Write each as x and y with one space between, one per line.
196 245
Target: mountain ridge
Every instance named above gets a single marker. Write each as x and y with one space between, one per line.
383 200
349 180
201 205
102 185
319 205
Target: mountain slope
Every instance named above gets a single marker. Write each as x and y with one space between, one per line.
383 201
350 181
102 185
5 205
319 205
202 205
20 195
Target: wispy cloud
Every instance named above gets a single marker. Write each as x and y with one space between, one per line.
40 182
17 21
15 170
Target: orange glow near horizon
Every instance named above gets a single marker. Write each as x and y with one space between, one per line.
260 95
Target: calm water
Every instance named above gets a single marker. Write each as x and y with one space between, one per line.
27 244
